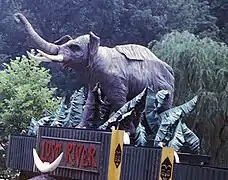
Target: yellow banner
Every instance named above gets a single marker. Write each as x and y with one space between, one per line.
166 166
116 152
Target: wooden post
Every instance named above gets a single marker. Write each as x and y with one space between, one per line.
166 165
115 157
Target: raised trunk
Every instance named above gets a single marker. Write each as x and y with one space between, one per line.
39 41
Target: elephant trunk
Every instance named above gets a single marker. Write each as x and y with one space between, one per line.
39 41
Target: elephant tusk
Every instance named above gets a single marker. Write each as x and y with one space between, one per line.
43 59
52 57
45 167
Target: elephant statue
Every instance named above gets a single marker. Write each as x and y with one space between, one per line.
122 71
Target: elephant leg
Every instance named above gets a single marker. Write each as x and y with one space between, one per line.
118 97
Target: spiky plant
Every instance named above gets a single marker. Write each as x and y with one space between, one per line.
100 108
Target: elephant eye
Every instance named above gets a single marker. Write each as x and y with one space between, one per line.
74 47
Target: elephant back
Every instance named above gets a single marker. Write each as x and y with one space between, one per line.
136 52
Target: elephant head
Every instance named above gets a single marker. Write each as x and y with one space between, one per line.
70 52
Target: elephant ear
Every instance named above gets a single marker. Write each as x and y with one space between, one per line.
94 43
63 40
136 52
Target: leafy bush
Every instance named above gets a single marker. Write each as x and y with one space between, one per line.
64 116
24 93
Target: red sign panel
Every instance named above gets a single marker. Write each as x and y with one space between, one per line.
78 154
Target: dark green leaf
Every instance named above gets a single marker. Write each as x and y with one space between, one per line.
191 140
170 120
74 113
140 135
127 112
178 138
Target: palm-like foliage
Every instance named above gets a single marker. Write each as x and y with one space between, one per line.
143 111
60 114
74 113
132 111
172 132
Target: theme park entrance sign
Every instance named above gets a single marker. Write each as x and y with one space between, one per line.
78 154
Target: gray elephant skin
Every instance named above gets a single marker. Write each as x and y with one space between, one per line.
122 71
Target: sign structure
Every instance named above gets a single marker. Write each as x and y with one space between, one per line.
116 152
78 154
166 166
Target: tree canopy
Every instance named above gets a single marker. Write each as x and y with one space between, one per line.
201 67
115 21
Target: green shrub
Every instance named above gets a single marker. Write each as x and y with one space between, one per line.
24 93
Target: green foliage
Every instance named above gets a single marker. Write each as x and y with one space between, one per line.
131 111
116 21
191 140
201 66
184 136
178 138
140 135
198 63
172 132
143 111
74 113
60 114
219 8
153 102
63 116
24 93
